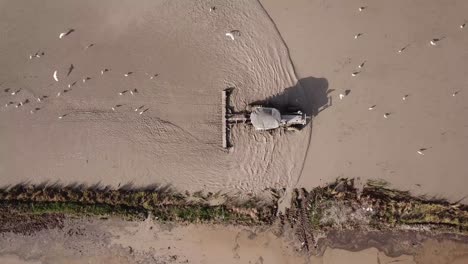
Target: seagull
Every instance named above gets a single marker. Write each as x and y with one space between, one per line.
213 8
134 91
233 33
123 92
86 79
55 76
116 106
128 74
62 116
357 35
104 71
138 109
462 26
153 76
71 84
354 74
433 42
63 34
361 65
372 107
455 93
230 35
421 151
341 96
89 46
362 8
36 55
16 92
386 115
9 103
404 97
144 111
34 110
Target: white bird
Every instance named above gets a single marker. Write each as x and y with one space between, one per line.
403 49
362 8
386 115
9 103
361 65
143 111
152 76
16 92
404 97
63 34
104 71
421 151
134 91
455 93
229 34
122 92
139 108
354 74
341 96
233 33
59 93
357 35
128 74
38 99
36 55
62 116
372 107
213 8
55 76
462 25
433 42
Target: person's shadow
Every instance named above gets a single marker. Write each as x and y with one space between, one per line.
310 95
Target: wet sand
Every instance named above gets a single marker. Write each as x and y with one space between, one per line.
115 241
348 140
177 140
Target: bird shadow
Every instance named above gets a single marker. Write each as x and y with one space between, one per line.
70 69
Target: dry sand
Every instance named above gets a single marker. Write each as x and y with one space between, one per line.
348 140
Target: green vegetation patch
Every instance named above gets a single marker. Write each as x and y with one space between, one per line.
162 203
